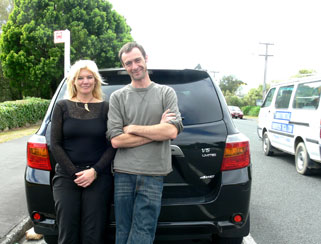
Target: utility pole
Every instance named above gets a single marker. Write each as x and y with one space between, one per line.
265 68
214 72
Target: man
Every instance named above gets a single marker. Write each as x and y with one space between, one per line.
143 117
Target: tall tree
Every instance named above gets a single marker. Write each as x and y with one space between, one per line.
5 8
30 59
5 92
254 94
230 83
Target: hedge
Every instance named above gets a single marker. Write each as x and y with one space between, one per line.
251 110
19 113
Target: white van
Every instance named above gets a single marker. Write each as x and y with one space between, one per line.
290 121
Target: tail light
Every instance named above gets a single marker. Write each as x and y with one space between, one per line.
36 216
37 153
237 218
236 153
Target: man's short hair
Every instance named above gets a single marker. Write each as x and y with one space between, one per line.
128 47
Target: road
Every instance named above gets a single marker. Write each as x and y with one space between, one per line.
285 206
12 198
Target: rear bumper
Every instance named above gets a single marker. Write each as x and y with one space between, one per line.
195 220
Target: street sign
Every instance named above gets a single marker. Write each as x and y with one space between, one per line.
60 36
63 36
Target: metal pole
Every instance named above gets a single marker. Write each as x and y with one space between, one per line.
67 52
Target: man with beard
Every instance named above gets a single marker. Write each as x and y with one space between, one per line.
143 117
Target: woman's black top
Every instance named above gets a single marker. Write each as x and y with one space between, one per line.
78 137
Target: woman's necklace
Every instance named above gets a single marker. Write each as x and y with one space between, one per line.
85 103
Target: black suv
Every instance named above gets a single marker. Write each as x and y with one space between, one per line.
208 193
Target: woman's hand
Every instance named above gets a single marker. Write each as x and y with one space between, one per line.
86 177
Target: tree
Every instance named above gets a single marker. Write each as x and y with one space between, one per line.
304 73
230 83
5 8
5 93
233 100
253 95
30 59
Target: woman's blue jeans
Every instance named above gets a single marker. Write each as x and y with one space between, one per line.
137 207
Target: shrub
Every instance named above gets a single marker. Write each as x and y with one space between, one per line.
246 110
19 113
254 111
251 110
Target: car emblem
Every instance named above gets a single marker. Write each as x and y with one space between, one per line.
207 177
206 153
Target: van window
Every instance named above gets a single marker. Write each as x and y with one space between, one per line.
283 97
307 95
268 99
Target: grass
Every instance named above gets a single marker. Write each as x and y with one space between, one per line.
250 117
17 133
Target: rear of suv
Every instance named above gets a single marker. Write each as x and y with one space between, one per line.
207 196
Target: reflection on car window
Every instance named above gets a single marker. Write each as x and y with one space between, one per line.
307 96
283 97
197 101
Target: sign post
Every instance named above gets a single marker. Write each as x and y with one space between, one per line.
63 36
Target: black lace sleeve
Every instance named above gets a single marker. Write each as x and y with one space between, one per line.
56 140
104 163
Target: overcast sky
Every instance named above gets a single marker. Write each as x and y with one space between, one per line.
225 35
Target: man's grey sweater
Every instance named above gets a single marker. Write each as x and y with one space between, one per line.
142 106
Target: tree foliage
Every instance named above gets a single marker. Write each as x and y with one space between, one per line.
30 59
233 100
5 93
304 73
230 84
253 95
5 8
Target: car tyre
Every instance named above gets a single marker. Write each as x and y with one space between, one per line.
224 240
50 239
267 147
302 159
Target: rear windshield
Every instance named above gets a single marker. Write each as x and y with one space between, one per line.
197 99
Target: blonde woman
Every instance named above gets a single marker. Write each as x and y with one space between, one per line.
83 183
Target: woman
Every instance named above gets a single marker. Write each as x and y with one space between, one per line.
83 183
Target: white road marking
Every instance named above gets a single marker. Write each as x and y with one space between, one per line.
248 240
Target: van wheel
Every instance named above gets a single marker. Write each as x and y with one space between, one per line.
267 147
302 159
224 240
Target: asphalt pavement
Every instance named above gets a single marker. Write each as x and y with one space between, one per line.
14 218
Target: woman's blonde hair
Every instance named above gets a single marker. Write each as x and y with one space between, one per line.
74 73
